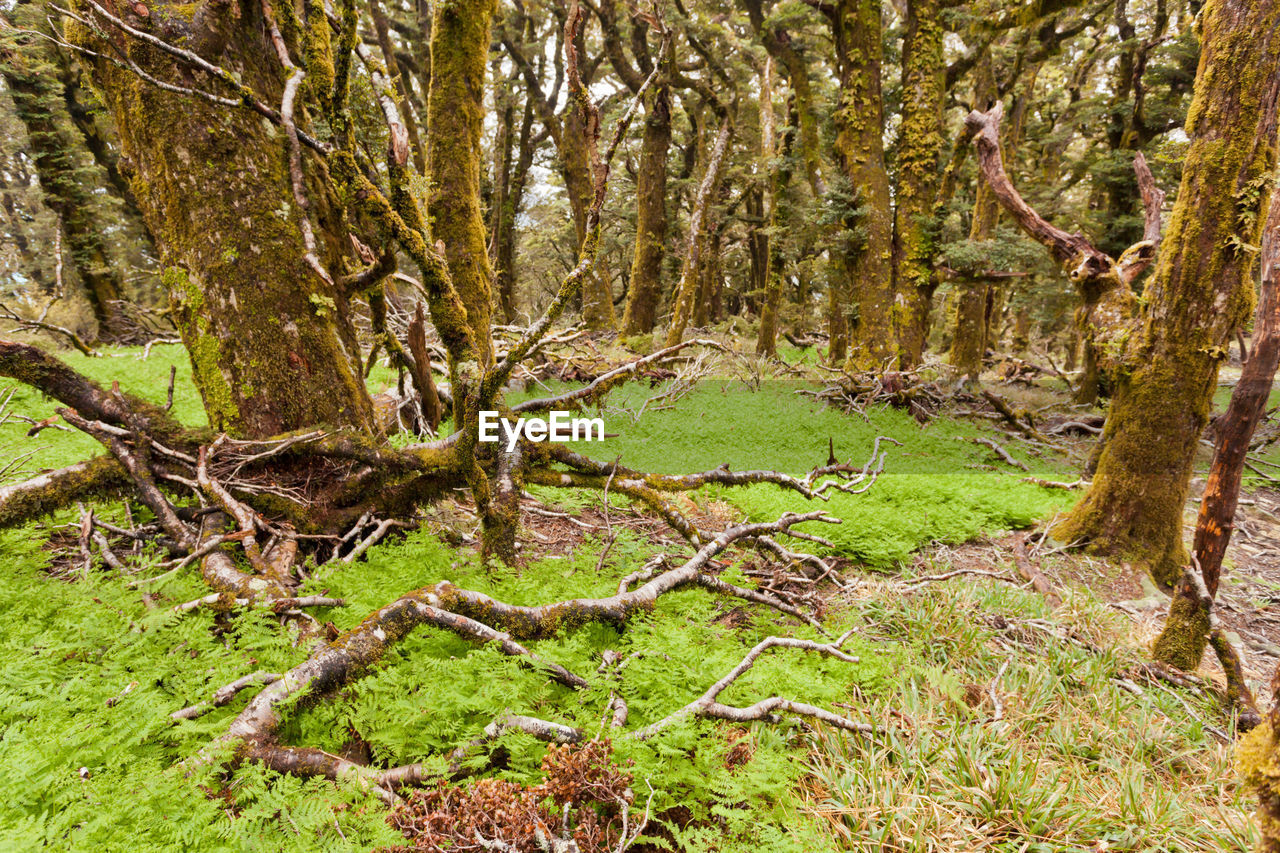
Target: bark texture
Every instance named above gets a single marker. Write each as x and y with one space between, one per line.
859 149
213 184
455 121
1186 631
920 145
37 94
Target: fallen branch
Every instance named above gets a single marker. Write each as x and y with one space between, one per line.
1031 573
707 706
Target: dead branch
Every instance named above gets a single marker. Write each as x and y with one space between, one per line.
1084 263
53 490
541 621
917 583
225 694
606 381
1032 574
1001 452
707 706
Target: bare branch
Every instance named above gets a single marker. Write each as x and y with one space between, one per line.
707 705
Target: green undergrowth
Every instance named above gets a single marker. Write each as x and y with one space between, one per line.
91 668
937 484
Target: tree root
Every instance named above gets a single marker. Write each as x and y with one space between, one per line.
478 617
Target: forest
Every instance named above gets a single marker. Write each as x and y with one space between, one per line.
585 426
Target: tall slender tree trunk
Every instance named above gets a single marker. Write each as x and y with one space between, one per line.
771 300
508 202
459 49
258 321
1199 295
382 30
645 292
597 295
689 287
859 149
920 145
973 294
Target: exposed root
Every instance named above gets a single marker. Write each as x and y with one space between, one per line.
51 491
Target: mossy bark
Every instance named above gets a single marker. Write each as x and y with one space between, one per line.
1258 763
771 300
968 343
969 340
920 146
455 121
641 313
859 149
213 185
1200 293
516 160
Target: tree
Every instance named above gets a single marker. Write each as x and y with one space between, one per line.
645 288
1167 356
920 146
30 74
310 460
459 53
867 284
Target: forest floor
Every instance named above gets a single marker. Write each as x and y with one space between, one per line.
1005 724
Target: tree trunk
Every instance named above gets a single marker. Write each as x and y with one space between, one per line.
859 149
706 308
37 99
1186 631
504 217
920 145
597 295
641 313
383 32
771 299
1199 295
1258 760
967 344
459 48
259 323
689 286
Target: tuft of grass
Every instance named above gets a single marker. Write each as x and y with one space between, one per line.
1075 761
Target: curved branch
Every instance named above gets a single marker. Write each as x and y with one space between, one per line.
1139 257
707 705
1085 261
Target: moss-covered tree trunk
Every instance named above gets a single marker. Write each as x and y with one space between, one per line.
919 148
1199 295
859 150
641 313
213 184
973 294
516 158
771 299
1258 760
455 121
34 86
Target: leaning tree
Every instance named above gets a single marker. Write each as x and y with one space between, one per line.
249 149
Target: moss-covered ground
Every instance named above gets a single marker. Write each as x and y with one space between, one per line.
1000 731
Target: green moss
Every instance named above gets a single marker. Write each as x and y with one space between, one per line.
203 346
